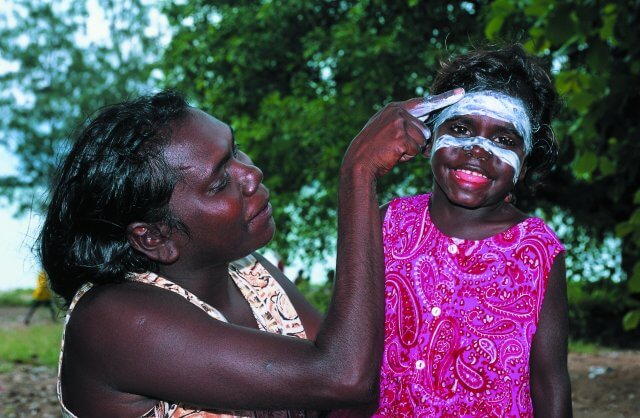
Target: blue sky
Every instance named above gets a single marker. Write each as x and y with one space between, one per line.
19 265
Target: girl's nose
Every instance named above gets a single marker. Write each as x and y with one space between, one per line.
477 152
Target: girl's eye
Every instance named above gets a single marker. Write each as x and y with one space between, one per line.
219 185
459 129
505 140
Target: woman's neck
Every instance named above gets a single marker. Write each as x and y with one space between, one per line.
214 286
209 284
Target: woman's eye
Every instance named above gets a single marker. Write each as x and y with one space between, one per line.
219 185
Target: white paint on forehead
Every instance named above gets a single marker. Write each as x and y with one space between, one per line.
507 156
492 104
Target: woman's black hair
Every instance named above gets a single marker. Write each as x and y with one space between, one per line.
115 174
510 69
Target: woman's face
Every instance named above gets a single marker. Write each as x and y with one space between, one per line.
220 196
480 174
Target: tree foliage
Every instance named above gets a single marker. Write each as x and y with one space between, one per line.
297 80
55 75
596 55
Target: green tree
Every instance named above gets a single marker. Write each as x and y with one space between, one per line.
594 48
54 75
298 79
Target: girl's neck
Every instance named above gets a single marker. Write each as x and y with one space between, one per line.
471 223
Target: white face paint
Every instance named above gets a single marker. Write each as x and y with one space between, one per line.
507 156
495 105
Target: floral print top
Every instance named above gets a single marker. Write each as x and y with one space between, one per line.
271 308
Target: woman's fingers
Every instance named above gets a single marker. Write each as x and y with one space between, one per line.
422 107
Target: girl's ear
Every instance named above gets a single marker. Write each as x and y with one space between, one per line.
154 241
523 172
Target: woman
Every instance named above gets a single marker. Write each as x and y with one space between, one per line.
153 207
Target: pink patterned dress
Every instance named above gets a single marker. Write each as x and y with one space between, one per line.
460 316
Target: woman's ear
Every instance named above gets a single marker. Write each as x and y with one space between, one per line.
154 241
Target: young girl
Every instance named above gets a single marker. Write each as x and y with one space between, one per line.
476 305
151 237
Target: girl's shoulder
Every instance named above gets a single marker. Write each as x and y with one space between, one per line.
539 227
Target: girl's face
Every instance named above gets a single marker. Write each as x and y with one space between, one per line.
473 159
220 196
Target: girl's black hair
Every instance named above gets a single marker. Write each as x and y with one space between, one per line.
510 69
115 174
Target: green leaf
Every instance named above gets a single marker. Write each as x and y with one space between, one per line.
493 27
636 198
538 8
581 101
623 229
609 18
631 320
560 26
634 281
585 164
606 166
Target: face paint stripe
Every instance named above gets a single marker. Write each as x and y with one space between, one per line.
507 156
492 104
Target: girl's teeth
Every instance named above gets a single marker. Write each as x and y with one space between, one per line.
473 173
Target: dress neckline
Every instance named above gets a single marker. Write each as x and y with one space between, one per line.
456 240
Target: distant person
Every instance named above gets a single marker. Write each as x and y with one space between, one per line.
41 297
151 237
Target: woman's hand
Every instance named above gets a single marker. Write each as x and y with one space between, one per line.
396 133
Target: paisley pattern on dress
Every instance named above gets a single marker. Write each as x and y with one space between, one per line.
460 316
271 308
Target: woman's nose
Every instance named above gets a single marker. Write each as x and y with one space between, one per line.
250 177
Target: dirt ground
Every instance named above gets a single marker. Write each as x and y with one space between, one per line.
604 385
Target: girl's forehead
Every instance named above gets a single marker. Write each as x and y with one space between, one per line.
491 104
482 119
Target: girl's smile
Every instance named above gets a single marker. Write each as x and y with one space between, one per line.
474 157
470 176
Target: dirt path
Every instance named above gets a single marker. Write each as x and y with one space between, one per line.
604 385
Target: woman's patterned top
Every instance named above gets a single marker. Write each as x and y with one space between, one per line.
271 308
460 316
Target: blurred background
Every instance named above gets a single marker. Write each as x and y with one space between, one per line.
297 80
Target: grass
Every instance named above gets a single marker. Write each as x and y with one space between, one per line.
37 344
586 348
17 297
